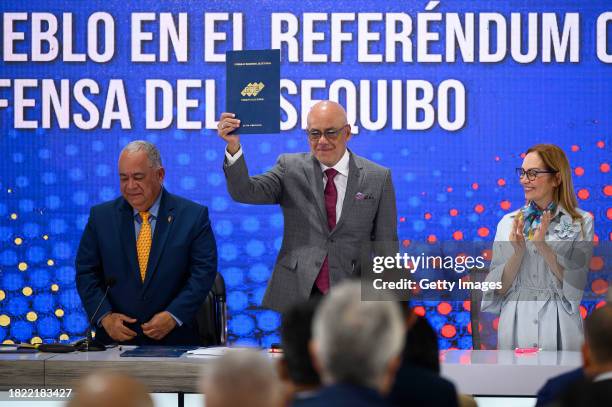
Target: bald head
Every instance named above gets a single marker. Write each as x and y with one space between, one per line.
117 390
328 108
328 132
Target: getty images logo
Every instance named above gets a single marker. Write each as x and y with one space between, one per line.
252 89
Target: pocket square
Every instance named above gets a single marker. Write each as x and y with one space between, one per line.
360 196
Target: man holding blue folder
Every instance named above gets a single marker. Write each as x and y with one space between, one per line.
333 202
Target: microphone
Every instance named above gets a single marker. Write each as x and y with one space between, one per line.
219 286
85 345
89 344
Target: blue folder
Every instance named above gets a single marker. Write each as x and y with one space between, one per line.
156 351
253 90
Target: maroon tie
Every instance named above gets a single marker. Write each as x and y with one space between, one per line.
331 197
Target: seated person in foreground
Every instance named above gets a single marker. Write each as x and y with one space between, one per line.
558 384
242 378
108 389
555 386
300 379
418 380
356 348
596 388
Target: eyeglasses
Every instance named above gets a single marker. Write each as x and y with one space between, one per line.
331 134
532 173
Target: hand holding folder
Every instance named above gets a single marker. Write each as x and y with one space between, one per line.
253 90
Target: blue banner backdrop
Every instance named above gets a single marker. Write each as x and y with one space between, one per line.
452 183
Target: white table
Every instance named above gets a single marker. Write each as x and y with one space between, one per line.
504 373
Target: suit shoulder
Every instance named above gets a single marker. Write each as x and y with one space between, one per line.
107 206
187 204
370 166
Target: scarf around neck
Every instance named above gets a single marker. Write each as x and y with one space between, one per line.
532 217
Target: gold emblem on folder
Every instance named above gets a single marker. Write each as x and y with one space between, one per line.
252 89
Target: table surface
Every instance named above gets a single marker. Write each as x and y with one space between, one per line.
159 374
114 355
26 356
478 372
18 370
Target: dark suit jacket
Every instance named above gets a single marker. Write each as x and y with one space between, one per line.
418 381
369 214
557 385
343 395
416 386
586 393
181 270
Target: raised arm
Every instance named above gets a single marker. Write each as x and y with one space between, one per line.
265 188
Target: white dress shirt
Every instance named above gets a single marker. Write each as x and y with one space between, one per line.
603 376
340 180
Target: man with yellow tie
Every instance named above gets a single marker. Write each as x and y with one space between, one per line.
153 251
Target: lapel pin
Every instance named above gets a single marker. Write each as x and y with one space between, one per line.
170 219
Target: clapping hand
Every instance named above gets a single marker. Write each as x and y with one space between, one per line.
516 234
539 236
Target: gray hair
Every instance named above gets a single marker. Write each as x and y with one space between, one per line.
149 148
356 339
242 377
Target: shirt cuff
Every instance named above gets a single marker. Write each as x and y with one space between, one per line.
231 159
178 321
99 322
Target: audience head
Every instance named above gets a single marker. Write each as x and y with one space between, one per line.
241 378
597 348
421 341
105 389
357 342
296 333
421 346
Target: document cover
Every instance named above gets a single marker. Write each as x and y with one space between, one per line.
253 90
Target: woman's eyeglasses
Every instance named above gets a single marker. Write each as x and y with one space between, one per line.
532 173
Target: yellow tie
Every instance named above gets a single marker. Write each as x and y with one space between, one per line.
143 244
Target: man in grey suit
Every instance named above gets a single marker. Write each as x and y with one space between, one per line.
333 202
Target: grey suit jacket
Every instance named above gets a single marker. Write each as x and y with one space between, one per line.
296 183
